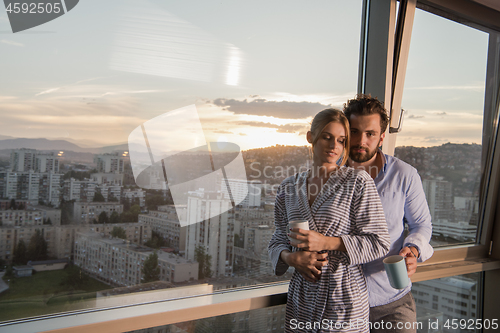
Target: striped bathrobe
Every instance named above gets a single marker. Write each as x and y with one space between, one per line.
349 207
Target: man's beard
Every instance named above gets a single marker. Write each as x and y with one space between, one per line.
362 157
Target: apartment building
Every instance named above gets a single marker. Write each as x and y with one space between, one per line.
120 263
110 163
28 217
455 297
132 194
46 162
61 239
79 190
23 160
87 212
245 193
215 232
253 257
49 188
165 222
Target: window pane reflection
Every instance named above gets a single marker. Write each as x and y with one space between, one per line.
87 125
441 137
450 304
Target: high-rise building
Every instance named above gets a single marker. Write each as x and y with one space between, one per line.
439 198
214 234
79 190
28 186
46 163
248 193
110 192
109 163
23 160
49 188
8 185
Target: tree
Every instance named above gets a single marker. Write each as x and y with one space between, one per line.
75 277
153 201
37 247
112 198
20 254
238 242
103 218
204 262
67 208
132 215
114 218
151 270
126 203
119 232
78 175
156 241
98 197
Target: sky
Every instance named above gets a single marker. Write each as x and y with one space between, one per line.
257 72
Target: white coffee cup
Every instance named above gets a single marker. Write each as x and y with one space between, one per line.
302 224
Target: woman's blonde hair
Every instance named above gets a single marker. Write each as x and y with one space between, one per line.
325 117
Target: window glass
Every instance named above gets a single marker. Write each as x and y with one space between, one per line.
271 319
450 304
93 158
441 137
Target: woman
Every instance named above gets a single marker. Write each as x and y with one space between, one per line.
327 292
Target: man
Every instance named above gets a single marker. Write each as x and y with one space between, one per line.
403 200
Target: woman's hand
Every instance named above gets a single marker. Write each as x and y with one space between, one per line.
308 264
309 240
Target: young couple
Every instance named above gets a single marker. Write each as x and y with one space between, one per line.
356 218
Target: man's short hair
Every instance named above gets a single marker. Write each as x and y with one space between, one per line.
364 105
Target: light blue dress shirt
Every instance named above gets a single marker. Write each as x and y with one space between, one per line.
403 200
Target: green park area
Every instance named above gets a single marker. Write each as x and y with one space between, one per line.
48 292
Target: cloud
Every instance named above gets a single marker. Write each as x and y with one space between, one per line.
48 91
9 42
263 107
435 139
130 92
7 98
222 132
287 128
412 116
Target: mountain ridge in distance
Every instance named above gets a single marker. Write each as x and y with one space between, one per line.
47 144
